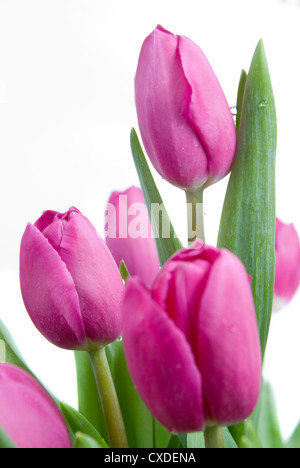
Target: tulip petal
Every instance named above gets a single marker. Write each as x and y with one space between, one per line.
178 289
46 219
27 414
53 232
100 302
229 354
197 250
161 362
208 104
49 292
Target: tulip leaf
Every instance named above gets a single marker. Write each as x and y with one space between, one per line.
247 225
174 442
137 418
183 439
237 432
84 441
89 403
294 440
166 240
239 103
78 423
250 438
124 271
265 419
229 441
195 440
162 436
5 441
12 354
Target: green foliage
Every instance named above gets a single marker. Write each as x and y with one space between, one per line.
5 441
79 424
89 404
247 225
166 246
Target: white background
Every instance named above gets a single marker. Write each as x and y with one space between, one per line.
66 110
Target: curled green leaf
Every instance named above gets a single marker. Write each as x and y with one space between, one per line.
84 441
78 423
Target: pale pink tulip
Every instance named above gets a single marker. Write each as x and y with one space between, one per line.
129 235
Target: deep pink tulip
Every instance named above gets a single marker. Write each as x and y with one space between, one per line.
192 343
28 415
70 283
185 121
129 234
287 269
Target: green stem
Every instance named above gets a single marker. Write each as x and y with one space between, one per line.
109 399
213 436
195 215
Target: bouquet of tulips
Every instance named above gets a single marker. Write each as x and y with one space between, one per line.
169 338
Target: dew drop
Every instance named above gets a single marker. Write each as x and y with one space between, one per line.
262 104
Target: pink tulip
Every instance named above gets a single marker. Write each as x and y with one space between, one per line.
129 234
185 121
28 415
191 342
287 269
70 283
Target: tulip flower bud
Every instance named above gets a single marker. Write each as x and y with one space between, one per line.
28 415
129 235
185 121
287 264
70 283
192 343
